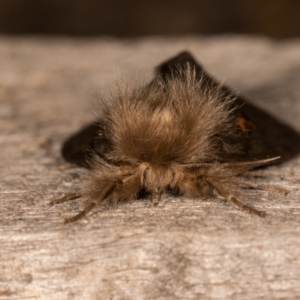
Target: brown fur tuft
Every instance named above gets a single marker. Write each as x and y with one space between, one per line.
169 135
169 121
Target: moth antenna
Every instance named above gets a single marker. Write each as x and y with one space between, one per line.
230 198
236 167
244 166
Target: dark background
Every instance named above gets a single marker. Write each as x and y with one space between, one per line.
274 18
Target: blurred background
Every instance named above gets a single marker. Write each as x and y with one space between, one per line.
275 18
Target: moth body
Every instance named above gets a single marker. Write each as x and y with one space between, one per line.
177 134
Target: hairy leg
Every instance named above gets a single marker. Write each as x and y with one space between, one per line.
155 199
269 188
66 197
116 191
91 204
223 192
87 209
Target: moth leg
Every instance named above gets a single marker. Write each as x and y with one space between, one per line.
155 199
107 192
66 197
151 202
158 199
87 209
232 199
269 188
67 166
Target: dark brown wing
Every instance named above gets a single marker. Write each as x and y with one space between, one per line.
80 147
259 135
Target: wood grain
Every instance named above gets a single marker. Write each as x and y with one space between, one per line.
183 249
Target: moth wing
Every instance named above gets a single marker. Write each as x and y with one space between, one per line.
259 134
81 146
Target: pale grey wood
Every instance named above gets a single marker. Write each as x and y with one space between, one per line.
186 249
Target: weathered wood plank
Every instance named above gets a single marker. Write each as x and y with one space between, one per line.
186 249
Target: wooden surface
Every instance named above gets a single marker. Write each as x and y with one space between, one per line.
184 249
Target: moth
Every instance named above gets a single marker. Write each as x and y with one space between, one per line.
182 133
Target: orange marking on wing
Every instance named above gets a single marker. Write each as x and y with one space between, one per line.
244 124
